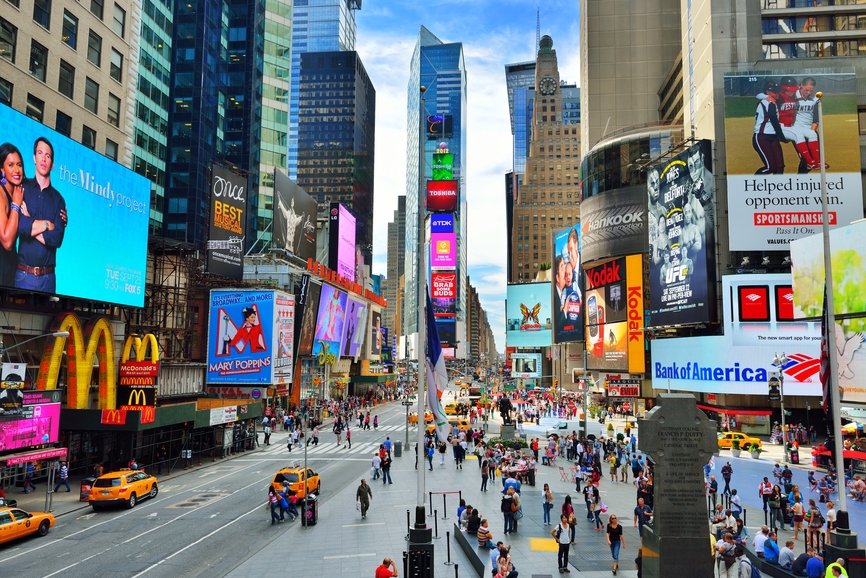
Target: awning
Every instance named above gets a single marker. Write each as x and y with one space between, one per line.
375 378
34 456
734 411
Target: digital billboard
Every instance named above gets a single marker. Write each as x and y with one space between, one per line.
442 223
240 337
567 286
227 229
341 246
682 238
38 425
355 327
295 214
77 208
527 315
284 336
309 299
447 333
607 346
329 324
606 327
443 292
439 126
773 157
636 300
375 333
443 250
442 196
525 365
443 165
613 223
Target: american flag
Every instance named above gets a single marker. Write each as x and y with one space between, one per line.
824 371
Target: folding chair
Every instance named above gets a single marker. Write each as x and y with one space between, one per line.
563 474
574 473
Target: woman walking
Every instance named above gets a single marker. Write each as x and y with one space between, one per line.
777 518
485 470
546 503
568 512
274 503
596 508
561 534
816 524
615 540
798 515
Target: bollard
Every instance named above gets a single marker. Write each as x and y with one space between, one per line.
456 566
444 507
448 547
431 505
408 521
435 526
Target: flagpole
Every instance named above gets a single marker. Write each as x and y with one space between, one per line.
835 408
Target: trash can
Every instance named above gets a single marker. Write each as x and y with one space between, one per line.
398 449
795 456
86 485
309 510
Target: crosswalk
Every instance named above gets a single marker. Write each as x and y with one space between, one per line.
327 446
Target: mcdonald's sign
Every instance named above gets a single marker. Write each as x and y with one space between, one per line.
135 397
148 414
94 341
139 372
113 417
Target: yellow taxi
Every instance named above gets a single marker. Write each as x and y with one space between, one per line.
16 523
300 480
462 425
413 417
451 408
725 439
126 487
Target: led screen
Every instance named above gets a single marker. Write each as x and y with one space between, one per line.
329 325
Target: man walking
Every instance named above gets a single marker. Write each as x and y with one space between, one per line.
642 514
388 444
349 436
64 477
727 470
765 490
266 427
364 495
386 470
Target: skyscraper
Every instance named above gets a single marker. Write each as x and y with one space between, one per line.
396 262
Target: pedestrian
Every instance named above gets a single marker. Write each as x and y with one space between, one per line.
587 499
765 490
777 517
363 496
377 464
348 437
485 469
442 449
615 539
642 514
568 510
375 422
507 507
29 471
798 515
273 503
386 470
485 537
64 477
727 470
546 503
367 421
623 470
388 569
316 436
736 505
161 454
596 508
562 535
726 557
713 489
266 427
388 444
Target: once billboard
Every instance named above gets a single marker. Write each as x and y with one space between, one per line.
443 292
442 196
527 313
443 250
329 325
228 209
443 165
294 218
613 223
341 248
567 286
773 158
682 238
77 211
240 337
525 365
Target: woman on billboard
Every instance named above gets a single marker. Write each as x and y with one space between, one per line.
250 331
333 314
12 170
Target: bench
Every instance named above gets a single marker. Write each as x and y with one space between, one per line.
478 557
766 568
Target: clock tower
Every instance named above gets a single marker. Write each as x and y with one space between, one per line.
547 200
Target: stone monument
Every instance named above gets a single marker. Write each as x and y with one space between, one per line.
679 438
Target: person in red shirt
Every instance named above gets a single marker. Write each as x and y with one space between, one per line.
250 331
387 569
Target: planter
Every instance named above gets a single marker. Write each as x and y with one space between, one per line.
755 455
736 453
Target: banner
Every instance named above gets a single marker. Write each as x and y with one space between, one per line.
332 316
133 398
240 334
13 375
613 223
284 338
443 289
567 286
355 328
773 157
635 307
341 245
221 415
527 315
442 223
227 230
295 214
682 238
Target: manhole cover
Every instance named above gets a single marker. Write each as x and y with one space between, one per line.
198 500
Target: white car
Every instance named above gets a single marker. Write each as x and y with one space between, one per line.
565 427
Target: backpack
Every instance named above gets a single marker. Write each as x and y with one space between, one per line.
505 505
755 572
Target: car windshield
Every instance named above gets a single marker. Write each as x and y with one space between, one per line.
107 483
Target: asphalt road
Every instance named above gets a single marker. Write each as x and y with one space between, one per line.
201 525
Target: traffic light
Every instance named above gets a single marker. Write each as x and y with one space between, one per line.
555 382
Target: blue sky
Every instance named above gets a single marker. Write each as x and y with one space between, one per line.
493 34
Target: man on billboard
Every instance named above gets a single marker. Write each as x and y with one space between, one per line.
40 225
292 219
768 132
563 288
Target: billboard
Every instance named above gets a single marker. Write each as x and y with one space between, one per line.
682 238
341 246
355 328
375 333
13 375
442 196
284 337
442 223
240 335
606 340
310 315
567 286
86 208
773 158
329 324
440 126
443 292
443 166
525 365
613 223
227 228
635 304
447 333
294 218
527 315
443 250
39 425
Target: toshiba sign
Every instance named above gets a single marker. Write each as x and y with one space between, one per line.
442 196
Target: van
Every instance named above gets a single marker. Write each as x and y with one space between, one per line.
565 427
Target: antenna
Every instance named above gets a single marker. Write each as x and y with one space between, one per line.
537 30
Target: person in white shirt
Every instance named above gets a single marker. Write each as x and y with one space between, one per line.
759 540
377 463
562 534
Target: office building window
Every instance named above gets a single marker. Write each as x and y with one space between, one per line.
96 8
91 96
116 65
8 39
63 123
94 48
88 137
66 84
111 149
42 13
70 29
119 22
5 92
38 60
35 108
113 110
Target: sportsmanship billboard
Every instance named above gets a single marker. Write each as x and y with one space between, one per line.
567 286
332 316
773 158
525 365
78 208
284 333
443 292
443 165
240 337
356 326
228 209
443 250
613 223
682 238
341 246
442 196
294 218
527 315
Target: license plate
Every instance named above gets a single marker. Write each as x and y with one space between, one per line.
106 493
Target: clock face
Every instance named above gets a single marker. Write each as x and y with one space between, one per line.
547 85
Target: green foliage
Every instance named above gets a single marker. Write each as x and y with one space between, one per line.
610 427
507 443
735 444
620 437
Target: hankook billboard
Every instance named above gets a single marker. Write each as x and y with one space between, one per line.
613 223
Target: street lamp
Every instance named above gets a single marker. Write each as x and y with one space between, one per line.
17 345
780 363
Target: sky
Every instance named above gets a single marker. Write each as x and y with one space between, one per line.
493 33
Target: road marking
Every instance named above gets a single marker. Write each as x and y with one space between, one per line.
364 524
345 556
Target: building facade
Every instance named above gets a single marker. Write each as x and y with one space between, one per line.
396 265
